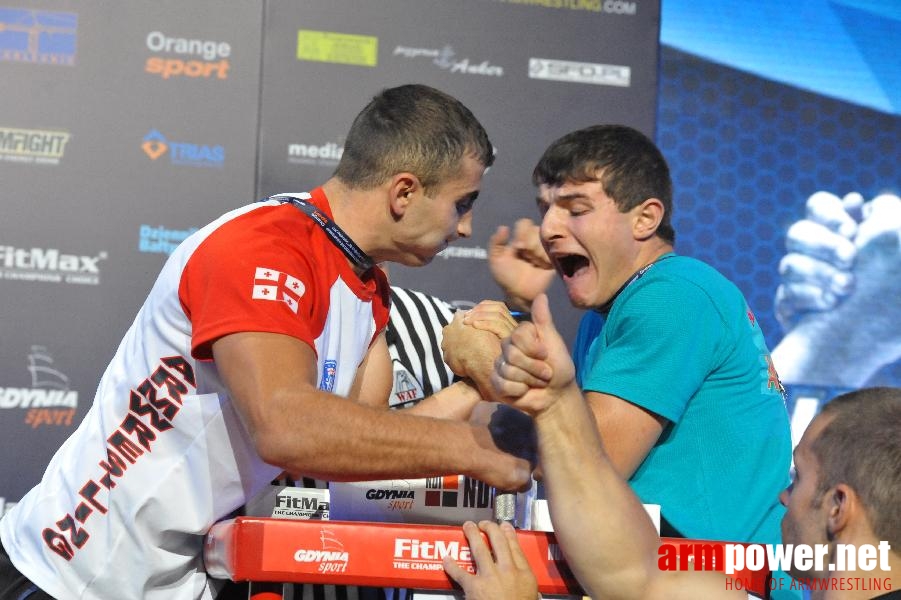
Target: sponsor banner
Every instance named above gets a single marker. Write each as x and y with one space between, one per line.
288 502
38 36
32 146
48 401
371 554
49 265
473 252
627 8
446 500
160 239
176 57
448 59
334 47
155 145
580 72
327 154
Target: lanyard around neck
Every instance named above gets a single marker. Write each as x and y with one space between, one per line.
605 308
338 237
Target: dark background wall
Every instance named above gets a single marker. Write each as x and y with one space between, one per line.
123 127
117 139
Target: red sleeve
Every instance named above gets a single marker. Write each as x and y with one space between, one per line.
249 275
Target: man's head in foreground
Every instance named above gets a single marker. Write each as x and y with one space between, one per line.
847 483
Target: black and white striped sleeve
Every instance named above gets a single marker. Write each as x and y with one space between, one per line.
414 337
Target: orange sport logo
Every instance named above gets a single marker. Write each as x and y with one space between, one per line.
184 57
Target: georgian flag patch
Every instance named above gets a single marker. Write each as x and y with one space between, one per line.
269 284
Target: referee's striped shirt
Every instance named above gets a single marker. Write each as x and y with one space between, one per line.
414 342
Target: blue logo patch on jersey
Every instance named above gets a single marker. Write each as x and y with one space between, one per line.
329 368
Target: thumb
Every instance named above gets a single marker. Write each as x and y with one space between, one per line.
542 319
498 240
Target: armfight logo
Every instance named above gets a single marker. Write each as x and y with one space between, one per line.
50 265
38 36
48 401
446 58
32 146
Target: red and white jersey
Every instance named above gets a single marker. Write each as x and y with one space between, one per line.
162 454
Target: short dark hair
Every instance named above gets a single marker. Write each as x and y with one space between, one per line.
413 128
861 447
625 161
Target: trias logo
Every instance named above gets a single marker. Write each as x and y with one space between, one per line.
192 58
48 401
332 558
188 154
49 264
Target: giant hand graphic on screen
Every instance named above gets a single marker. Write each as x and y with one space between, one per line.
840 295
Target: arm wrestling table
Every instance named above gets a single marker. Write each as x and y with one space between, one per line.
259 549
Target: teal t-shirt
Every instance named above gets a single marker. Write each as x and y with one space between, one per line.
681 342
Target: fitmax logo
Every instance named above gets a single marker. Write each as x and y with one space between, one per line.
49 264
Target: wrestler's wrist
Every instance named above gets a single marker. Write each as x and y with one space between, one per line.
555 401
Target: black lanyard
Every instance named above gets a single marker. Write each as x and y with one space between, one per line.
337 236
605 308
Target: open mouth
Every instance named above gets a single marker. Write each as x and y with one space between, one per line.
571 263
